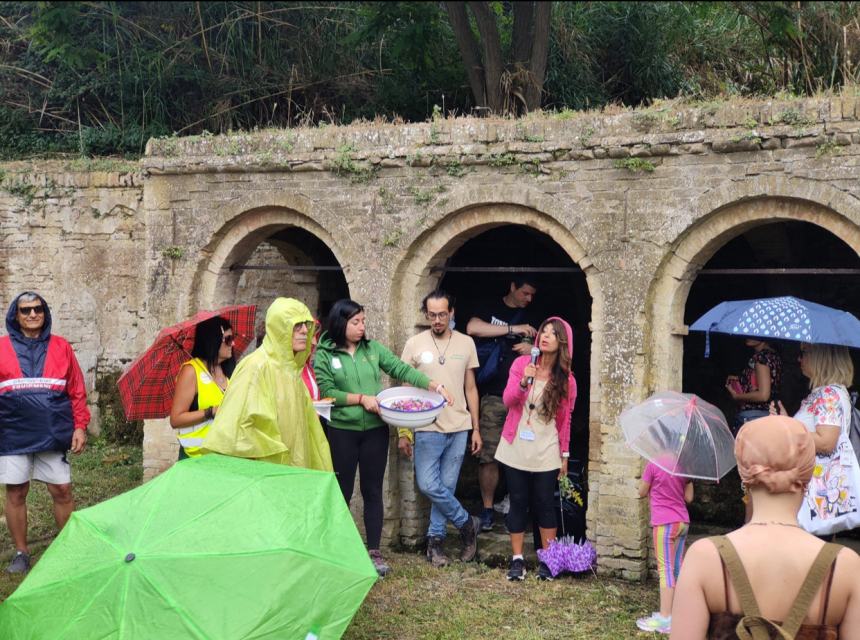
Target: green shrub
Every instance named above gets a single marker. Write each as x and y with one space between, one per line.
503 160
114 427
634 164
344 165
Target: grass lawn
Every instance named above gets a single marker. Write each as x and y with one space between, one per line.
475 601
415 601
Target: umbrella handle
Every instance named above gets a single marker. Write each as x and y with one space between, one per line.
708 340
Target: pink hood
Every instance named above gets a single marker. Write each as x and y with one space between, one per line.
567 330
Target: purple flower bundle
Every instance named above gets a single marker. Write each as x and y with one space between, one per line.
564 554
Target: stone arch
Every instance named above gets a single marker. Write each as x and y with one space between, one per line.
471 216
718 216
468 212
242 232
245 225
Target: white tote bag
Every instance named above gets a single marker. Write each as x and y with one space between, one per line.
832 500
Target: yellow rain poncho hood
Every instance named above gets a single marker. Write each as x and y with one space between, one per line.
267 412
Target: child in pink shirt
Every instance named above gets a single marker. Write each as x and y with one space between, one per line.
669 496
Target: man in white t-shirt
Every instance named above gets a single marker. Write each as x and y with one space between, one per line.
450 357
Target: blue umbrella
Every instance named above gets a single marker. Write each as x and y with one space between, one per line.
784 318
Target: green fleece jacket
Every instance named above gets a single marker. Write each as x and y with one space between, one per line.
339 373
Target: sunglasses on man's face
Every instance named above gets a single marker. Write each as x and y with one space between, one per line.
38 310
228 340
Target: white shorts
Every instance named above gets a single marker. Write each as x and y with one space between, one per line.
51 467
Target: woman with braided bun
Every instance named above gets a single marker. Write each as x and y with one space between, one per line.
770 578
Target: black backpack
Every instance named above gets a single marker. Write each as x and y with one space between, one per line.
491 351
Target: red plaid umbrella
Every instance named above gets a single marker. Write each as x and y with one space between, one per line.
146 388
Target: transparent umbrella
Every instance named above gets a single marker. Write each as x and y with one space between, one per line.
682 434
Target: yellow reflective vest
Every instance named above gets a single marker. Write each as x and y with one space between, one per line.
209 394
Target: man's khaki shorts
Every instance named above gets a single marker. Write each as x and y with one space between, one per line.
493 414
50 467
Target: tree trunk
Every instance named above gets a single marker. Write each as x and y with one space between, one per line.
523 77
540 52
521 37
491 44
469 50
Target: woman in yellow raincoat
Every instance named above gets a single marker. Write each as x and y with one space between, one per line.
267 412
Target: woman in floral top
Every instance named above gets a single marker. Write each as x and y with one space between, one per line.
758 385
826 413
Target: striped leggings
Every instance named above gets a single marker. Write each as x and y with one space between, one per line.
669 540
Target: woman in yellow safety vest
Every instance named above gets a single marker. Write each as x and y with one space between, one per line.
201 384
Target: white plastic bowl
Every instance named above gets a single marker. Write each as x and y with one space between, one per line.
409 419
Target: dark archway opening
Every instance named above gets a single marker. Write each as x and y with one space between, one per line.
800 259
291 262
480 272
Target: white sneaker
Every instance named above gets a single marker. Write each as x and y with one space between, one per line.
655 622
504 506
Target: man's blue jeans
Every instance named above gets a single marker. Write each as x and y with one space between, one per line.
438 457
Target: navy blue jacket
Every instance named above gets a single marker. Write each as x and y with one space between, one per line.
42 393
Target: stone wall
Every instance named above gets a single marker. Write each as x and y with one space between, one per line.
78 237
638 199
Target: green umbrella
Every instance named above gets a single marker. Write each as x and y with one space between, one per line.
216 547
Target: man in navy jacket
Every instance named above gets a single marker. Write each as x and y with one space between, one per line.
43 414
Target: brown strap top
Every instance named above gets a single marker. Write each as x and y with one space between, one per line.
754 626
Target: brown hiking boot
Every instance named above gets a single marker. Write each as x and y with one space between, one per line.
435 555
469 536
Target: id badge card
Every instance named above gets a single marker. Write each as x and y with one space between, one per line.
527 435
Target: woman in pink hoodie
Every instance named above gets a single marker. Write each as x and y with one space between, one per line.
534 448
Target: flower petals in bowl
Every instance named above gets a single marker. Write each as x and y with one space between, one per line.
409 407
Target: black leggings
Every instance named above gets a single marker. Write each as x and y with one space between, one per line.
537 487
369 451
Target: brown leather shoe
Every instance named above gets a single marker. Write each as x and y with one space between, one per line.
469 536
435 555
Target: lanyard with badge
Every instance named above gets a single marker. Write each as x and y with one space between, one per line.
528 434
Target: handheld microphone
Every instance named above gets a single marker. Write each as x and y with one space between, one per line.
535 354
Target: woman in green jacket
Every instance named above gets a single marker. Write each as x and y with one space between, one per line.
348 368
